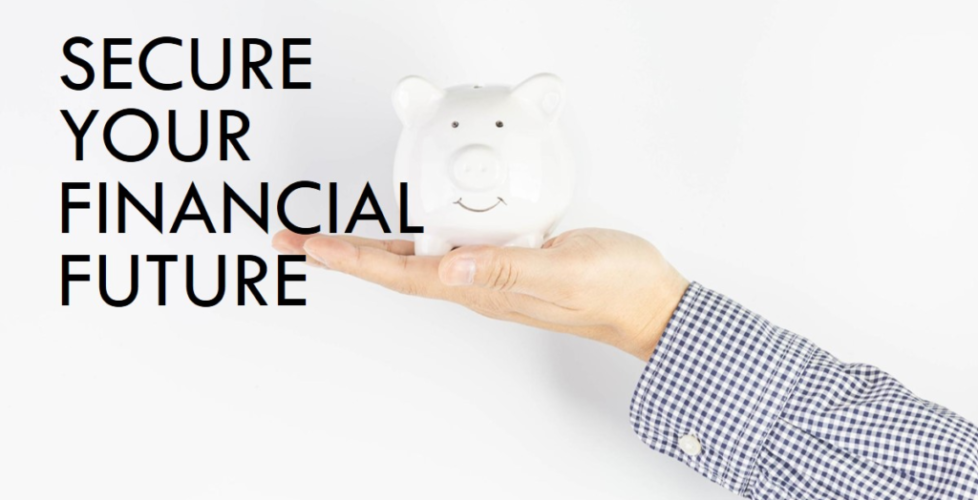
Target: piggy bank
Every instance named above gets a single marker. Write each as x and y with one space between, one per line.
484 165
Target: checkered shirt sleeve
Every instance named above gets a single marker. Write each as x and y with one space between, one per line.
768 415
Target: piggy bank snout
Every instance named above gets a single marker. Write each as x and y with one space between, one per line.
477 168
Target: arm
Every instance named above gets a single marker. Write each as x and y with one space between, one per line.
767 414
753 407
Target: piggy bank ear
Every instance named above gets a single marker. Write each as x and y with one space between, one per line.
545 92
412 97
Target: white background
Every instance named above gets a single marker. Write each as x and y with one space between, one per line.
814 160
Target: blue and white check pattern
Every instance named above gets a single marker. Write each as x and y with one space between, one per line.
779 418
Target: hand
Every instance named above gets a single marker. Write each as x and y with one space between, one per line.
600 284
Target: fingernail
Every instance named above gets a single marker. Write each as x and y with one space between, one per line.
461 272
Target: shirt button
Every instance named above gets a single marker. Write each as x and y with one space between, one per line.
690 445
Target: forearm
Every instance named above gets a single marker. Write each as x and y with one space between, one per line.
767 414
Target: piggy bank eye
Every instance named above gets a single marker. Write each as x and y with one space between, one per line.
499 124
454 124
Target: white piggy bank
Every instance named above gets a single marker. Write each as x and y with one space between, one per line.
484 164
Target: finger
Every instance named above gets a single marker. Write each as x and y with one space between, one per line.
504 269
398 247
289 242
370 261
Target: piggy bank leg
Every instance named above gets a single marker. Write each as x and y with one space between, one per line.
532 240
431 244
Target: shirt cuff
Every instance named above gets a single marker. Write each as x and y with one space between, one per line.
715 385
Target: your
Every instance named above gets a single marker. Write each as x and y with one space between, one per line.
227 136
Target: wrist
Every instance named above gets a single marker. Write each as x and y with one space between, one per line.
644 337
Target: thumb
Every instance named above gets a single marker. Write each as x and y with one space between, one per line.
503 269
